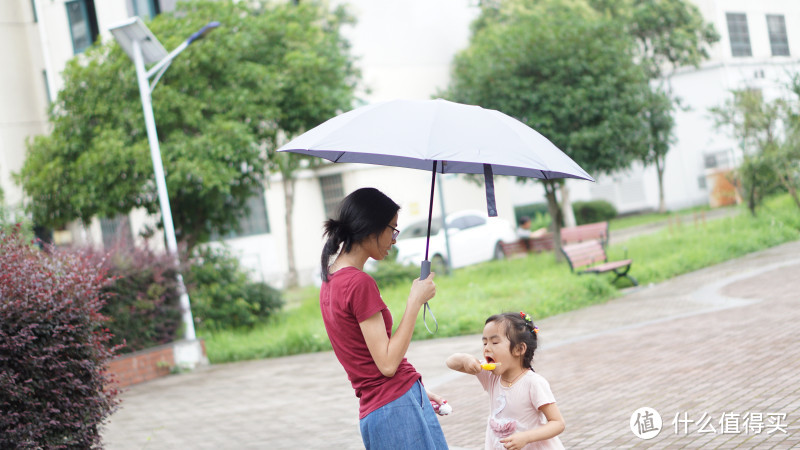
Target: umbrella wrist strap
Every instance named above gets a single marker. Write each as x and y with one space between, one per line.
425 309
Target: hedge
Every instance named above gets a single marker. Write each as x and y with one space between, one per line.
54 388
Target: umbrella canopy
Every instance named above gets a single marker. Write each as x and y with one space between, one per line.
414 133
440 136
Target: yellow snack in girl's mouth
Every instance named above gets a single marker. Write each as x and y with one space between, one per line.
489 366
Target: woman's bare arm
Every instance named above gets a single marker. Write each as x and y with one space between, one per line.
389 353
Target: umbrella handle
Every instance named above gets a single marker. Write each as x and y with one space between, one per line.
424 271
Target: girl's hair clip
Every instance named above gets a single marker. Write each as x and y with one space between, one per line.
529 322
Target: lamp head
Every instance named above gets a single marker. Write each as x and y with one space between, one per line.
202 32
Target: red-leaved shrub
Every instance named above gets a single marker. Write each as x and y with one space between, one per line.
54 388
142 305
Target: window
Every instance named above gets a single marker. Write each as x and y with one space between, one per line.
718 160
332 192
710 161
254 222
82 24
464 222
420 229
115 230
146 9
257 221
777 35
458 223
739 35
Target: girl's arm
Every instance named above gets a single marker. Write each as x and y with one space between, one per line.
387 352
554 426
463 362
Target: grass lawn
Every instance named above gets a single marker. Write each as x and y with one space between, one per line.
684 215
534 283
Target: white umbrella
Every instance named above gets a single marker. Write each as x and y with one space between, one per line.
415 133
440 136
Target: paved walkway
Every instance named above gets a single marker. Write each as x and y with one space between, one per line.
717 348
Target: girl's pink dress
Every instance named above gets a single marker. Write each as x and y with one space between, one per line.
517 409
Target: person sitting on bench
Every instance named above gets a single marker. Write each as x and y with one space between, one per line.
524 231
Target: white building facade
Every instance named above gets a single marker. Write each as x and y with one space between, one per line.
404 50
759 48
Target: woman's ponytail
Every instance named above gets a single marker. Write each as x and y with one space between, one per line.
332 244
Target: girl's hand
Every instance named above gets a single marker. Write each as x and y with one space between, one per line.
553 427
422 291
472 366
436 398
514 442
463 362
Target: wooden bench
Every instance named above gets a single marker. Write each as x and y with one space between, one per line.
586 232
569 235
535 245
590 257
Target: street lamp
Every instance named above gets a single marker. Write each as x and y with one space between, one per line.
142 46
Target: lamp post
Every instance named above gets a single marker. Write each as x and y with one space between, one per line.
143 48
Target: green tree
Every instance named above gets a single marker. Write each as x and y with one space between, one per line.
669 34
769 138
268 71
563 69
11 219
320 80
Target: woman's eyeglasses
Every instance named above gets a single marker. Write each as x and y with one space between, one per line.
395 232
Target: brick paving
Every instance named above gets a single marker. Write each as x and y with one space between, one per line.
710 347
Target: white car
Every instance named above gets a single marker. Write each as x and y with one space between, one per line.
473 237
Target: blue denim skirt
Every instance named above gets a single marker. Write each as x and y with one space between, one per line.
406 423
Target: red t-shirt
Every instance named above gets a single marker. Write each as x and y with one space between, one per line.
348 298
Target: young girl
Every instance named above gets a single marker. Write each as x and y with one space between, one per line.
522 410
395 411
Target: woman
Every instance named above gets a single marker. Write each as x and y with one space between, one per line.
395 411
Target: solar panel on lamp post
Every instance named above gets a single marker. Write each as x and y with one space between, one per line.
143 48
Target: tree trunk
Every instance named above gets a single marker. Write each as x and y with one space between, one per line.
793 193
751 200
566 207
288 197
660 162
550 187
786 181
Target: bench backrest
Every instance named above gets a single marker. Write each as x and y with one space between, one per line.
542 243
586 232
584 253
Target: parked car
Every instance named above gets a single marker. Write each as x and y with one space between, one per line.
474 237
